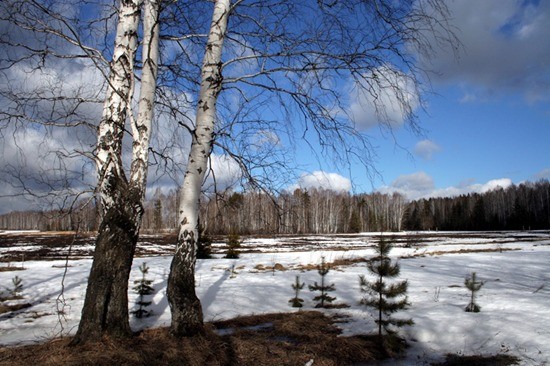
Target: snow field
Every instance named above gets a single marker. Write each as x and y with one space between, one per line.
515 299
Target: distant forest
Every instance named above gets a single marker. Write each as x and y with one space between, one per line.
519 207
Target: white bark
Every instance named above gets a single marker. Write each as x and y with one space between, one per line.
117 101
186 309
105 307
141 126
211 82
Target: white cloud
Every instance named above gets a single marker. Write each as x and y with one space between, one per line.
491 185
388 99
467 98
426 149
421 185
227 173
504 45
322 180
412 186
266 137
543 174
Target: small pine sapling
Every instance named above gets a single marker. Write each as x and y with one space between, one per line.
474 286
296 301
323 298
387 299
233 243
143 288
204 246
17 287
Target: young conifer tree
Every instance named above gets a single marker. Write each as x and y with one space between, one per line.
143 288
474 286
324 288
17 286
387 299
233 243
204 246
296 301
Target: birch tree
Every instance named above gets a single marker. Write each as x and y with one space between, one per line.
186 309
39 38
106 303
315 66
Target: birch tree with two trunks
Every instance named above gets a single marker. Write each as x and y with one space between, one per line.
105 307
64 57
325 71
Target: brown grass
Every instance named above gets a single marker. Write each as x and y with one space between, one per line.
460 251
275 267
11 268
8 308
336 264
282 339
497 360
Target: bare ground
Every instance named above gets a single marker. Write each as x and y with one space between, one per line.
20 247
273 339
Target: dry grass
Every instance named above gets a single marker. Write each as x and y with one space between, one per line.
335 265
275 267
497 360
282 339
294 339
460 251
11 268
9 308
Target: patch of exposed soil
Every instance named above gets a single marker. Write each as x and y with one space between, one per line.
272 339
497 360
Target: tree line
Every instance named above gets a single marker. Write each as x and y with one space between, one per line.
519 207
317 211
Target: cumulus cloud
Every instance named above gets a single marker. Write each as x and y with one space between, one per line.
226 173
505 49
49 115
322 180
421 185
266 137
389 100
412 186
43 169
426 149
543 174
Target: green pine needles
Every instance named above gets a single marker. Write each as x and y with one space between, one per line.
474 286
386 298
233 243
296 301
324 297
17 286
204 246
143 288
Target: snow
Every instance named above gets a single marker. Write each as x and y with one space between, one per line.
514 300
10 232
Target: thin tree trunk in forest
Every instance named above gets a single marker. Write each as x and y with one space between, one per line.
186 309
105 308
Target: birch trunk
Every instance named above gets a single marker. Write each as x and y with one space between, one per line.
186 309
105 308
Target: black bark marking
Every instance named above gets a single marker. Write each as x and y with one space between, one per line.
105 310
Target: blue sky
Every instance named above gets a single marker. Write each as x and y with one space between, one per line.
487 122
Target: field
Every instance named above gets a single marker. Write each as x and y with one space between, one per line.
515 299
